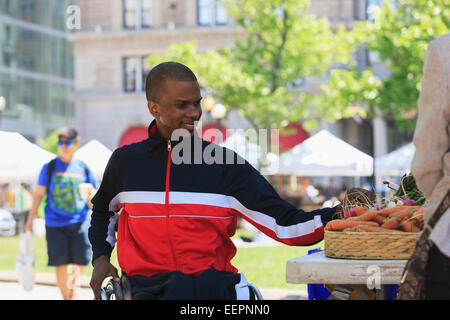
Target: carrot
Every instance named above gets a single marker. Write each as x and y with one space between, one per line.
386 212
408 226
404 212
392 223
417 218
355 211
367 216
380 219
418 212
339 225
360 210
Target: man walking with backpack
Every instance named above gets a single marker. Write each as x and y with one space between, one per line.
66 211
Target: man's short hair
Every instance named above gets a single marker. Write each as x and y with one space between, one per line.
157 77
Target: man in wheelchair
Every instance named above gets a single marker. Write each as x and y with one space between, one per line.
175 211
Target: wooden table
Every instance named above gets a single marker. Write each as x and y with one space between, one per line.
319 269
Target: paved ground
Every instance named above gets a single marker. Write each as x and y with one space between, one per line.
14 291
45 289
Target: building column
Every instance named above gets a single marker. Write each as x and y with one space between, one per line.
380 144
380 136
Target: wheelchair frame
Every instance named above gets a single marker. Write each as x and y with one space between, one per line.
122 291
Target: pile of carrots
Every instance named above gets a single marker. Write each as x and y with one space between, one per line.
396 219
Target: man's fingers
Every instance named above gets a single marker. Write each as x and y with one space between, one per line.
102 270
114 274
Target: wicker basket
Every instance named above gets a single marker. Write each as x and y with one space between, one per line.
370 245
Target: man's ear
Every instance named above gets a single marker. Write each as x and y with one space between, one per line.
153 107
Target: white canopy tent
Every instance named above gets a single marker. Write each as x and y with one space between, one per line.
245 147
95 155
20 160
324 154
395 163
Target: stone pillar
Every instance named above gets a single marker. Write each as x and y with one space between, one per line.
380 144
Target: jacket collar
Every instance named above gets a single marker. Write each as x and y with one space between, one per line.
152 132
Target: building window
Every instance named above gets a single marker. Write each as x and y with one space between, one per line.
220 14
145 71
27 7
146 13
27 63
135 71
137 14
129 15
7 59
130 69
211 12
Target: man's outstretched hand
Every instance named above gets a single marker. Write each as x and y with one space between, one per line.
102 269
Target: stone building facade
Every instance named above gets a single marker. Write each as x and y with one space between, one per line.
117 35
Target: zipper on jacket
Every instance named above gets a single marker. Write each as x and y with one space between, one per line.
169 161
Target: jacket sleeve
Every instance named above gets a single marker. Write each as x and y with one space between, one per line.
255 200
431 137
102 229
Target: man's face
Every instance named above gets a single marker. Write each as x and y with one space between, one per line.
178 107
66 147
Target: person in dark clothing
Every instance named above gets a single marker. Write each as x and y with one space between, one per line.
331 190
176 218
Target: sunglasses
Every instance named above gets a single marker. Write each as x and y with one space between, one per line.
67 143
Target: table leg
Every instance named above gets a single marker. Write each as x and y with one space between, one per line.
381 293
351 292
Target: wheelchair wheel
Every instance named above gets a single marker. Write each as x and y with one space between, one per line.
253 289
112 291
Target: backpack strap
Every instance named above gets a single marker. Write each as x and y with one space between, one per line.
50 169
86 170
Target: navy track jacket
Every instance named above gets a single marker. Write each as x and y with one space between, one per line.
180 216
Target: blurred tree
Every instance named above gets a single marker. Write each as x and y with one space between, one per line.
396 35
50 143
262 74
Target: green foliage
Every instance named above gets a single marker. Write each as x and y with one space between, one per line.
399 35
282 44
266 266
50 143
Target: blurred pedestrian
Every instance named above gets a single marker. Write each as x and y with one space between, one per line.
69 185
431 163
331 190
319 197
